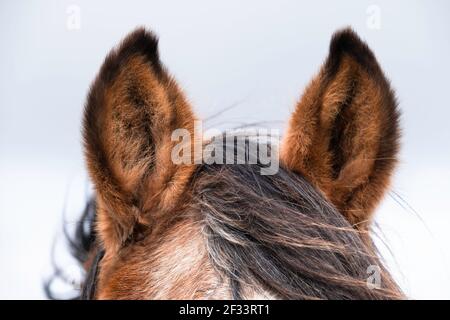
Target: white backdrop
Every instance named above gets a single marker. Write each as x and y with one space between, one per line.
259 54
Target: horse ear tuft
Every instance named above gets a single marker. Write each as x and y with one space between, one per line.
347 42
140 42
344 132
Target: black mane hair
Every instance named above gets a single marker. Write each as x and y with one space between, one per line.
80 244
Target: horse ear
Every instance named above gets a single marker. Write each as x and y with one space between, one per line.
343 134
132 109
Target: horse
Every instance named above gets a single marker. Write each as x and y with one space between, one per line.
202 230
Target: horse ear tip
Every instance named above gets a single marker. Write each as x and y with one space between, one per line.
144 34
347 42
142 40
345 39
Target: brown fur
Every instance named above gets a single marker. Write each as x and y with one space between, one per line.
136 274
185 231
132 108
344 132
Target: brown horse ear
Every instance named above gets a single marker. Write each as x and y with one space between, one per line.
132 109
343 134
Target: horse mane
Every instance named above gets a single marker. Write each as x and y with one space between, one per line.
80 244
272 233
